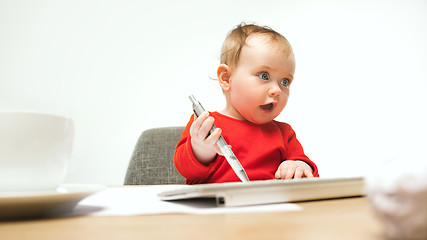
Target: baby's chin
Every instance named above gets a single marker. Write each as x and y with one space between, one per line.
261 119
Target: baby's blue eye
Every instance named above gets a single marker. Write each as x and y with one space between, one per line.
263 76
285 82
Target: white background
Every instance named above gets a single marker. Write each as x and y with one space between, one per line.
120 67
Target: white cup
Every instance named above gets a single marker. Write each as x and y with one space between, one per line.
35 149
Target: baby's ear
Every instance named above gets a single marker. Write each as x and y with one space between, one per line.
224 75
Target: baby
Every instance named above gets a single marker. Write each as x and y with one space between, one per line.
256 72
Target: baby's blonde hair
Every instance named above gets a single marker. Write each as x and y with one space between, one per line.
236 39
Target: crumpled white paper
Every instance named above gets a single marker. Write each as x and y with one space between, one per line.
398 196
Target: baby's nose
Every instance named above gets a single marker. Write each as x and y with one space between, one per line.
274 90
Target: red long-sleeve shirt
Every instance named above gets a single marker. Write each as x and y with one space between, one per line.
260 149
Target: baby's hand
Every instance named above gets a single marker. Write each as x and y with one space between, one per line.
294 169
204 145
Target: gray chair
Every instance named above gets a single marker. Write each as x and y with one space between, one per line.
152 159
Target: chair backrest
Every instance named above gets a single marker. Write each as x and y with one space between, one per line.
152 159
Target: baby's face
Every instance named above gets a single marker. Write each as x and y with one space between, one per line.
259 85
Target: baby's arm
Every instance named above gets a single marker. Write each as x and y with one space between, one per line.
204 145
294 169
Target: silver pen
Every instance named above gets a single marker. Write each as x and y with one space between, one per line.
223 146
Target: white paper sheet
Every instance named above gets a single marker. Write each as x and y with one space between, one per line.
132 200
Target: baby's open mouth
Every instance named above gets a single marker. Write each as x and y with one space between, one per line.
267 107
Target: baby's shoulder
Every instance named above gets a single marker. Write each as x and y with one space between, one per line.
282 125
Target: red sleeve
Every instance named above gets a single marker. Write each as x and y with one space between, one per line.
295 150
185 161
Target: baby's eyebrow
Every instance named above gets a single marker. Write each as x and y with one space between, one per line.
264 67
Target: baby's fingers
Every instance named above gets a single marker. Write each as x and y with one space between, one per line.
289 173
198 121
285 172
205 128
308 174
299 172
213 137
293 169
